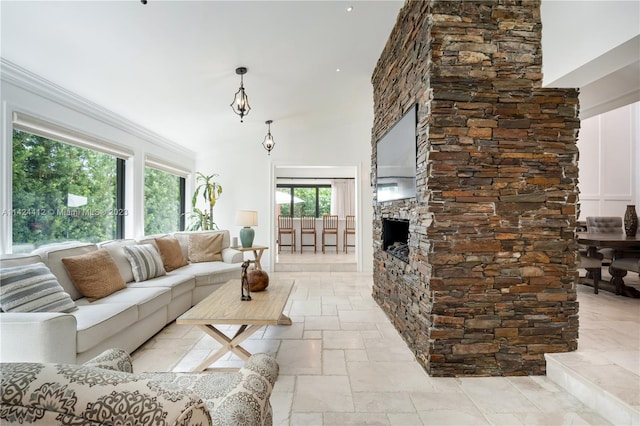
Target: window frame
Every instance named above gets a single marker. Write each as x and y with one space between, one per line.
36 127
293 186
182 185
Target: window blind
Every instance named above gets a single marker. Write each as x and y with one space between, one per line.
165 166
49 130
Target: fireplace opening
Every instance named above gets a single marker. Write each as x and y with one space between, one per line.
395 238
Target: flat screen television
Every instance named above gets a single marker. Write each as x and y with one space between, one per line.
396 158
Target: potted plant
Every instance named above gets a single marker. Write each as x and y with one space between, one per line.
210 191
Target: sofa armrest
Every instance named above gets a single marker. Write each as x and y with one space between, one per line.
112 359
249 398
230 255
37 337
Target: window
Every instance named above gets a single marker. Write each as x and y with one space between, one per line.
314 200
163 201
64 192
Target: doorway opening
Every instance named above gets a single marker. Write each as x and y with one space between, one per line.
307 194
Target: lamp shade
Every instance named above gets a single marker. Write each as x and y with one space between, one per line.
247 218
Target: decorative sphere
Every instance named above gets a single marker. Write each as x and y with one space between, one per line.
258 280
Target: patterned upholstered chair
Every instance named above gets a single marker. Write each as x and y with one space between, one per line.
593 262
605 225
104 390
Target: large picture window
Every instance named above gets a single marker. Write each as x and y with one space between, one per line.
63 192
313 200
163 202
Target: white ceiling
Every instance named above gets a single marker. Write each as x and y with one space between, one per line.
170 66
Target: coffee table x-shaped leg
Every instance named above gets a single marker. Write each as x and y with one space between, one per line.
232 344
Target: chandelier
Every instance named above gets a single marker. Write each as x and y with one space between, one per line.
240 104
268 143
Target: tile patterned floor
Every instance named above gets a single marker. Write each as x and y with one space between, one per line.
342 363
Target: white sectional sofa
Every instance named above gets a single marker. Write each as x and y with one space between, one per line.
124 319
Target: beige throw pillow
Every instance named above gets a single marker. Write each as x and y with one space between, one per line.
171 253
94 274
205 247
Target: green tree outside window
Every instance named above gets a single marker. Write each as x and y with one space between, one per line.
61 192
162 202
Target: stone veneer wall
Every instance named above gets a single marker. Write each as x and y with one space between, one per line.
490 283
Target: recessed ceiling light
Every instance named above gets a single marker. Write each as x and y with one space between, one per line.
349 8
337 69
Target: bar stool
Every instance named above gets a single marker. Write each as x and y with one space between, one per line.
329 227
285 226
307 227
349 229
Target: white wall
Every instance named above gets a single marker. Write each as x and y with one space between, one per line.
593 46
609 175
577 32
248 174
24 92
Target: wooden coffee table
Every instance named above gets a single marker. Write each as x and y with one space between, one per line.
223 307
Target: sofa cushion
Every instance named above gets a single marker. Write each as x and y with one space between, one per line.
145 260
205 247
10 260
97 322
147 299
177 283
32 288
116 250
94 274
171 253
207 273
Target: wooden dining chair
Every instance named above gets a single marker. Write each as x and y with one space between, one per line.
349 229
307 227
285 227
329 227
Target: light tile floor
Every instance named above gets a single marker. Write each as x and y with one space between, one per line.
342 363
330 261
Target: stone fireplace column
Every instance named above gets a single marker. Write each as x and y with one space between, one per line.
490 283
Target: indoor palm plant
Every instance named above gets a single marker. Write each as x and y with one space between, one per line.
210 190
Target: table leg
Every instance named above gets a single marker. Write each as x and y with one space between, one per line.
284 320
257 255
228 344
617 280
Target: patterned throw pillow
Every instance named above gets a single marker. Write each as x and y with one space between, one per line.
146 262
32 288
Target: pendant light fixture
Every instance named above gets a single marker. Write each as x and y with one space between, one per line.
268 143
240 104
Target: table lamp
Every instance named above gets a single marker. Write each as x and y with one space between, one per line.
247 219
